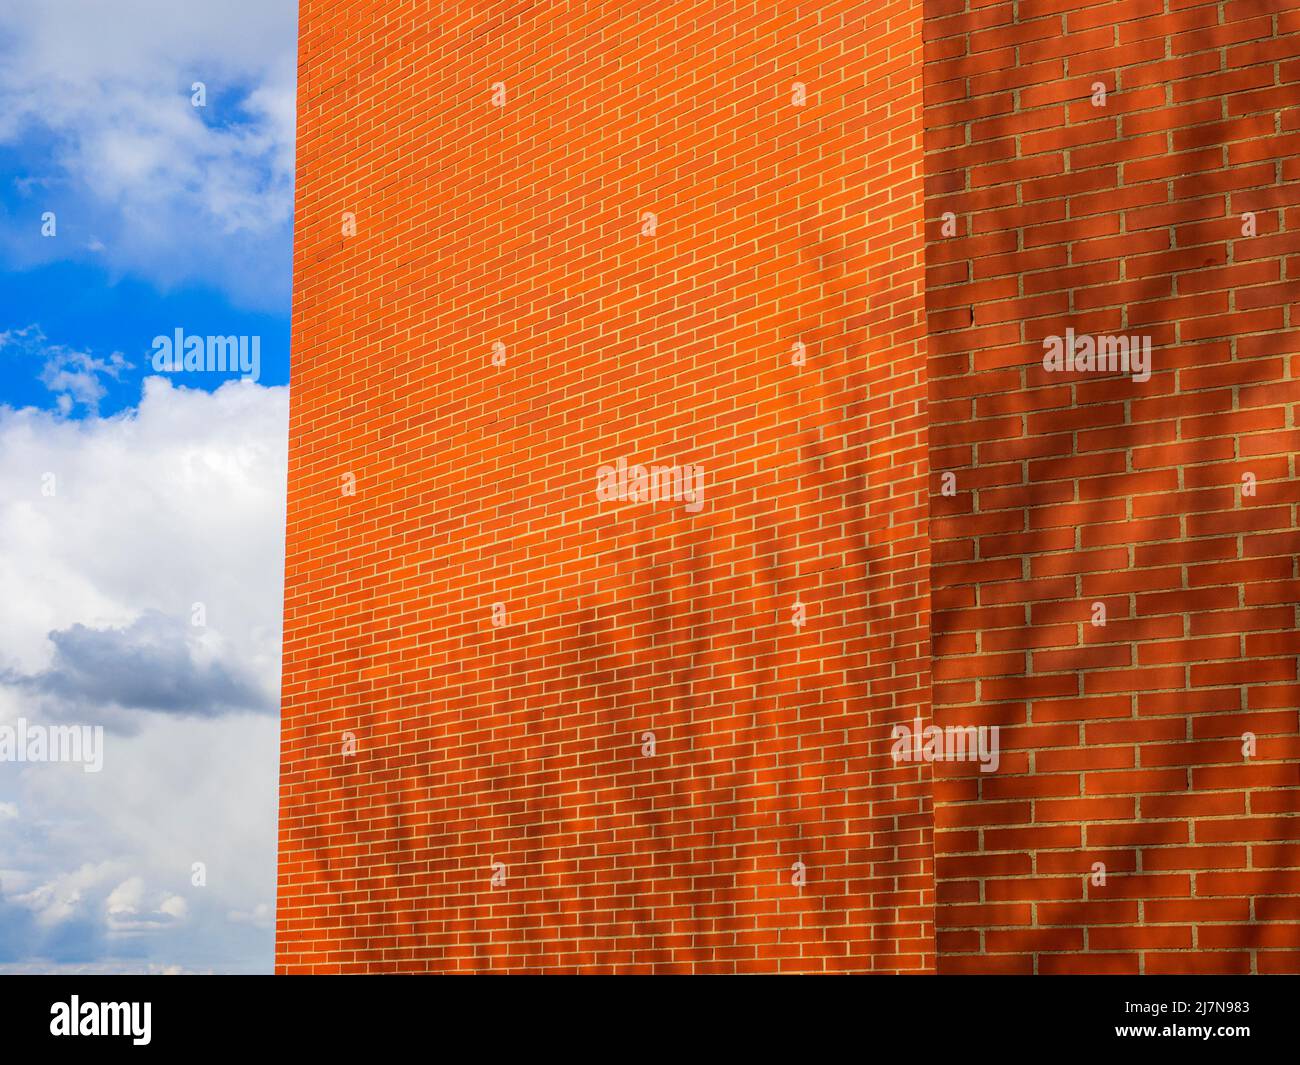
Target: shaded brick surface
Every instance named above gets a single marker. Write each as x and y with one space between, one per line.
1122 744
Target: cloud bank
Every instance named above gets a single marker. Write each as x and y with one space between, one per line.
117 535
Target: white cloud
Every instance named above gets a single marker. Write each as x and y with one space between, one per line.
73 376
126 897
110 967
261 916
63 895
177 502
129 914
138 177
174 906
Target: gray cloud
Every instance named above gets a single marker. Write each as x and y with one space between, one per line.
153 664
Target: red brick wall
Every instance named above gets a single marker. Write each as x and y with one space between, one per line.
781 223
1123 744
475 484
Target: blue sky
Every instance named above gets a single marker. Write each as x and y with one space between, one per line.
141 515
83 307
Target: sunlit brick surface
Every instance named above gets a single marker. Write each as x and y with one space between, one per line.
521 746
